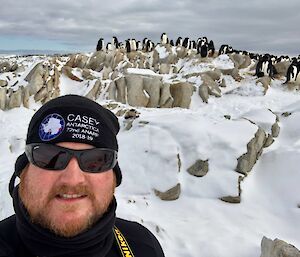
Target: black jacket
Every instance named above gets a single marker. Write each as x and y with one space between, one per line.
141 241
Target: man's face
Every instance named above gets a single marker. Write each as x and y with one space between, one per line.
67 201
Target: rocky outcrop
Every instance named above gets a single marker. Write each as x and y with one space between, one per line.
277 248
68 72
169 195
181 93
265 81
282 67
2 99
232 72
254 150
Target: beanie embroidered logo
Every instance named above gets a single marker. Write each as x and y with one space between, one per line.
51 127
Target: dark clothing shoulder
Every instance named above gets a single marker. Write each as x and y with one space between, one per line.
141 241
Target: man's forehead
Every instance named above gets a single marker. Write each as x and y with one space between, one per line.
75 145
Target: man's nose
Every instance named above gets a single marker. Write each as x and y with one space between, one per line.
72 174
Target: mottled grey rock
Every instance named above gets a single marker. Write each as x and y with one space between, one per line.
86 74
223 83
169 195
112 91
136 95
231 199
3 83
213 88
121 90
182 52
199 168
203 93
38 68
254 150
275 129
166 100
35 79
105 72
282 68
265 81
182 93
26 97
214 74
41 94
277 248
95 91
14 67
269 141
96 61
164 68
4 67
246 63
68 72
15 99
2 99
232 72
152 85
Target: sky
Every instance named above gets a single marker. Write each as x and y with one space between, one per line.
253 25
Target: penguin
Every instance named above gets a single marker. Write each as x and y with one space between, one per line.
179 41
293 72
109 47
115 42
202 50
171 42
193 44
149 46
139 45
164 39
265 67
225 49
128 46
132 44
145 40
211 48
100 45
186 42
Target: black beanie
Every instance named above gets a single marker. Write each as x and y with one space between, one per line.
72 118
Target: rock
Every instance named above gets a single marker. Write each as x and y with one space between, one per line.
26 97
152 85
86 74
231 199
214 74
223 83
182 93
68 72
15 99
203 93
56 78
246 63
81 61
131 114
112 91
199 168
155 58
129 124
41 94
232 72
265 81
105 72
181 52
4 67
136 95
118 58
14 67
121 90
269 141
254 150
3 83
35 79
237 59
164 68
277 248
228 117
95 91
213 88
282 68
96 61
109 59
166 100
38 68
275 129
169 195
2 98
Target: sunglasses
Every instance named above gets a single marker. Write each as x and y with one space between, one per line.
53 157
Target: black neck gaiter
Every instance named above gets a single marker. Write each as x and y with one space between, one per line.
95 242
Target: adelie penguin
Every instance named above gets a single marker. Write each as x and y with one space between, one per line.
179 41
293 72
100 45
225 49
265 67
164 39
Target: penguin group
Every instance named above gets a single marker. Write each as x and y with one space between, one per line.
205 48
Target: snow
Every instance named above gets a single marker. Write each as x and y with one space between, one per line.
198 223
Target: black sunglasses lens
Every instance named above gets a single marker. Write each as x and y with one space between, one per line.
49 157
97 160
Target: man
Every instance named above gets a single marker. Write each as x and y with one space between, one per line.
64 204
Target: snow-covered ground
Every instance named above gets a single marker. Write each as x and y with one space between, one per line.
198 223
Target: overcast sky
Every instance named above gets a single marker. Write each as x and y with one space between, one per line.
256 25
